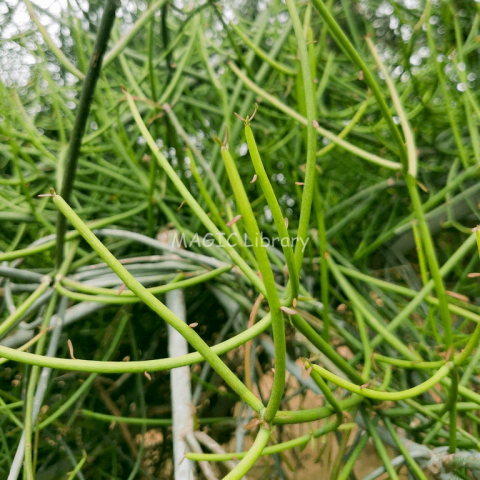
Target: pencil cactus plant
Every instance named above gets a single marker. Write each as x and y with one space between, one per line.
315 168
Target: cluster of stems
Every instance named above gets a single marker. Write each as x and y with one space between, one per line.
64 276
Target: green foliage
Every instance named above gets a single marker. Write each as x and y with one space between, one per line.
353 184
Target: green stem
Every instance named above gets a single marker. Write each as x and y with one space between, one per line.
379 446
352 52
134 367
367 350
452 401
91 290
404 451
150 421
424 275
158 307
462 153
118 329
263 55
407 131
351 125
418 297
137 26
35 374
26 345
271 292
76 470
302 325
206 196
310 169
12 319
190 200
100 223
32 384
276 211
179 72
324 278
251 457
320 130
431 258
278 448
352 459
384 332
384 396
326 391
55 50
106 24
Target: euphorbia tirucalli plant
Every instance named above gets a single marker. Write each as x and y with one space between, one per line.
365 156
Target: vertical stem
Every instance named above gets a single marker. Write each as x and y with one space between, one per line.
350 463
462 153
407 131
469 100
190 200
310 171
380 447
431 258
342 447
276 212
81 118
453 410
32 383
271 292
153 164
61 57
14 317
424 276
324 283
404 451
442 297
36 391
367 350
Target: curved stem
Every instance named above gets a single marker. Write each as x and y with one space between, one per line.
384 332
326 391
351 125
106 295
278 448
251 457
407 131
376 395
49 242
10 321
133 367
181 65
